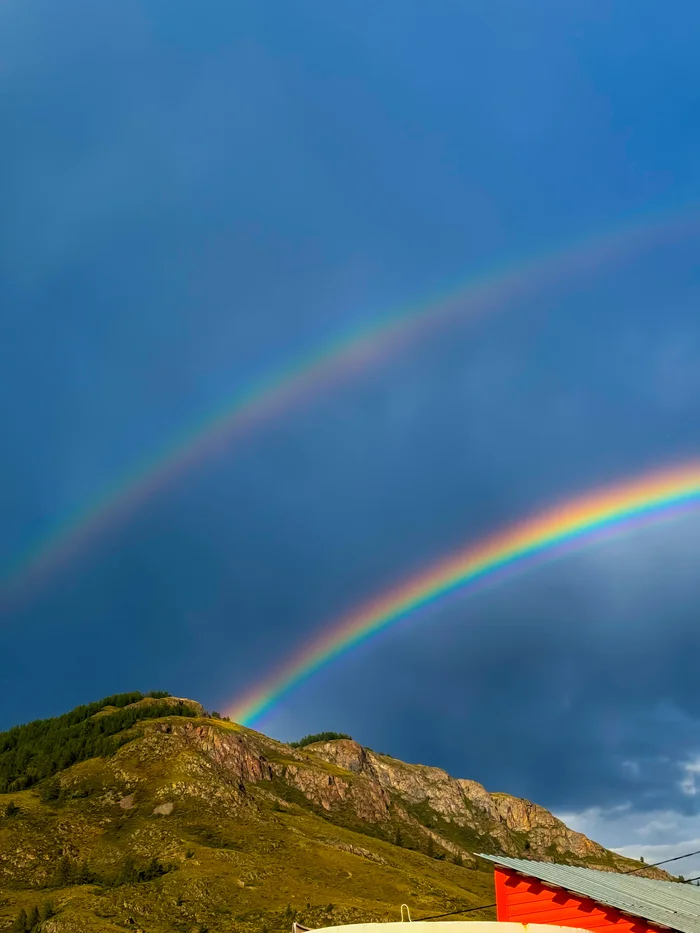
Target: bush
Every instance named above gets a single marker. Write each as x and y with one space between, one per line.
129 872
50 790
319 737
19 924
11 810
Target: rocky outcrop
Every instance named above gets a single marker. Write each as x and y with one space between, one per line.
342 777
346 754
360 794
419 784
236 753
465 803
479 797
544 829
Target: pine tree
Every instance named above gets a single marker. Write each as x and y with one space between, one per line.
33 920
64 873
38 750
20 922
128 873
51 790
83 875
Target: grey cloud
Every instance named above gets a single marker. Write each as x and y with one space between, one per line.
655 835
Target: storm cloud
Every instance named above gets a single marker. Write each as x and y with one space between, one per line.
192 202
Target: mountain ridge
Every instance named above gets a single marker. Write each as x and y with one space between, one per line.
183 821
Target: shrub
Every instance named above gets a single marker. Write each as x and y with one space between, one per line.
319 737
69 873
20 922
50 790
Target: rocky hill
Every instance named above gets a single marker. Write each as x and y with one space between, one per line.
147 813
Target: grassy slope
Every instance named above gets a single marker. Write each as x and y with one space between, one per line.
232 868
250 864
255 870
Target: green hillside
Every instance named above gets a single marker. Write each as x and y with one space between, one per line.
146 813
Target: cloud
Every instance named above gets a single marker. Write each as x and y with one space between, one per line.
655 836
688 784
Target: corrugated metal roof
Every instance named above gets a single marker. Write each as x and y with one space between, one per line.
667 903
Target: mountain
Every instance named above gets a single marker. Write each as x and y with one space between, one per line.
148 813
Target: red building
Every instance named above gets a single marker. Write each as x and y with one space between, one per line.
606 902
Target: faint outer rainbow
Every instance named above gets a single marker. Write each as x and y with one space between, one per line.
569 525
332 362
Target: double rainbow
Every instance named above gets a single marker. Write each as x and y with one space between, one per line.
573 524
331 363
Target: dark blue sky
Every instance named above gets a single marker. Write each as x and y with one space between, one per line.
194 198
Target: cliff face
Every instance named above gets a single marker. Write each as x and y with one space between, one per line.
356 787
192 821
497 818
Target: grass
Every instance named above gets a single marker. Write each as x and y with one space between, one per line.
249 858
256 866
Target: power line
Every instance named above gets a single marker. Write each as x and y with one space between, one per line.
665 861
630 871
451 913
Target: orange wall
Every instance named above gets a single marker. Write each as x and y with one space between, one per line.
527 900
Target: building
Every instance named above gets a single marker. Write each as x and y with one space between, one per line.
606 902
426 926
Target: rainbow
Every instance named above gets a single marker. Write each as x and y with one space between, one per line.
554 532
331 363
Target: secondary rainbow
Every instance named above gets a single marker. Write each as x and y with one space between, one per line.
331 363
573 524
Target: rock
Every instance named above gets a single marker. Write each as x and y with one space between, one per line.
126 803
345 753
419 784
478 795
164 809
